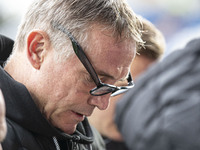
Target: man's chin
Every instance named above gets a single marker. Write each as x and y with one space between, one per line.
68 129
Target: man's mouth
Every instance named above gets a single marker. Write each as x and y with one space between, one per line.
79 116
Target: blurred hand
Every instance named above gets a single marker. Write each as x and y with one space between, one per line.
3 128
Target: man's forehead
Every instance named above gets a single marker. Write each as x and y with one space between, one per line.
98 33
107 48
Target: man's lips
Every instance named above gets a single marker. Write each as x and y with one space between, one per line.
82 114
79 117
79 114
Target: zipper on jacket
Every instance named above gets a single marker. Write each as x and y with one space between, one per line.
74 140
74 145
56 143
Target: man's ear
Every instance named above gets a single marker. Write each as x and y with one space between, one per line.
37 46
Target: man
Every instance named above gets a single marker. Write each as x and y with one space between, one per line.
63 50
147 55
163 111
2 119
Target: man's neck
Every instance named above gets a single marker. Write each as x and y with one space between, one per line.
15 66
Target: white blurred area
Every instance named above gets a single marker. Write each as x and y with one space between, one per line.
11 12
179 20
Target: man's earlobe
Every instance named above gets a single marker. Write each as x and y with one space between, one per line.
37 43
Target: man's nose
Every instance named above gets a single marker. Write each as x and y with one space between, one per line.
101 102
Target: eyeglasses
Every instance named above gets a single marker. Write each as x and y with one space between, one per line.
101 88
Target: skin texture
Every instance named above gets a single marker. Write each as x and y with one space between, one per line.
3 127
61 90
107 127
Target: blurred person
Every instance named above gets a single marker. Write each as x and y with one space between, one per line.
6 46
153 50
62 66
3 127
163 111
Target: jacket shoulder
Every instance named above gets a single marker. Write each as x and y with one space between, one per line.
19 138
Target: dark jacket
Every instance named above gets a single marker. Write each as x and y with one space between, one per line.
29 130
162 112
114 145
6 45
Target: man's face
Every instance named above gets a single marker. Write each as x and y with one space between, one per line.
2 118
64 96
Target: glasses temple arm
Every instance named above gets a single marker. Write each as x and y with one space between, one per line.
80 53
85 61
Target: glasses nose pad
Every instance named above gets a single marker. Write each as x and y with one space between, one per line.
101 102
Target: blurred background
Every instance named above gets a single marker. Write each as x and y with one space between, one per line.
179 20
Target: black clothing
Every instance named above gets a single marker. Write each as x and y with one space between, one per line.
162 112
6 45
114 145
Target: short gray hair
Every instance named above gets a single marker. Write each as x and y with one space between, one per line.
77 16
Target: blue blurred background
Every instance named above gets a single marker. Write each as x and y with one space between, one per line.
179 20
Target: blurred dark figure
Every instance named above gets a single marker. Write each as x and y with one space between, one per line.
162 112
6 46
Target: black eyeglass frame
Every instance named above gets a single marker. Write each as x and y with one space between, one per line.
107 88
